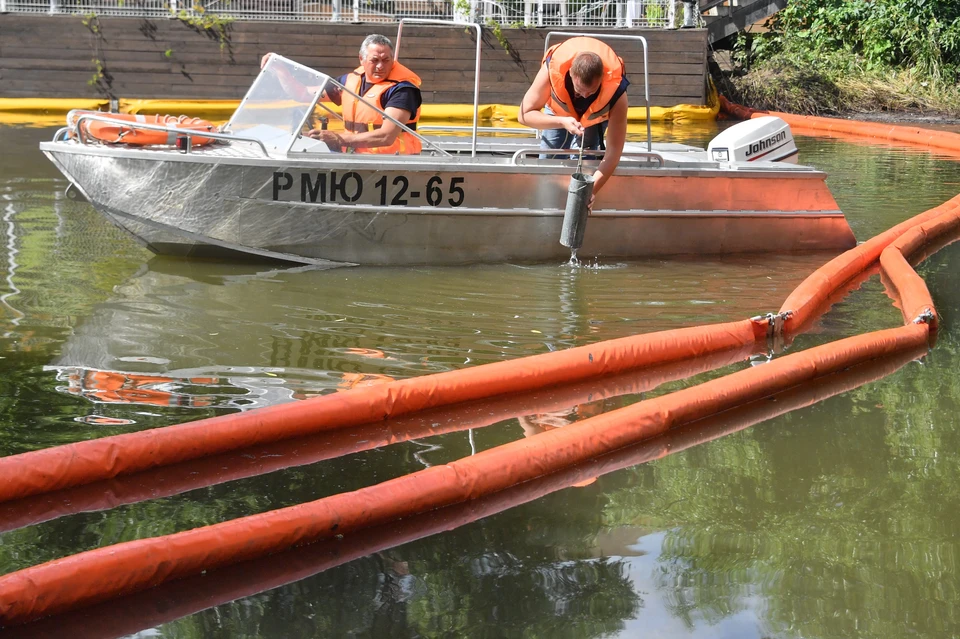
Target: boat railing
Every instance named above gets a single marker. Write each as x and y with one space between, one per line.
520 154
186 134
476 73
608 36
524 131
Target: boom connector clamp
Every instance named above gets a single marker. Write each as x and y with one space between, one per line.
926 317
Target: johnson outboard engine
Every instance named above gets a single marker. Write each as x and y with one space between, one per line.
766 139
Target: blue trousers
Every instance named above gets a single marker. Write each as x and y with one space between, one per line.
563 139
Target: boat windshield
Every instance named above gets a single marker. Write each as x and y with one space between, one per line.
277 102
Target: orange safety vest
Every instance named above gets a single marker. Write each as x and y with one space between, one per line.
559 59
357 116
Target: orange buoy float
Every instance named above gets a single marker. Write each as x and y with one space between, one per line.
116 131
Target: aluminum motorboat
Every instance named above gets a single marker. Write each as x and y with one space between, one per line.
264 188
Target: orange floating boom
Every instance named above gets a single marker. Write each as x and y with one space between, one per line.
811 295
126 568
908 288
80 463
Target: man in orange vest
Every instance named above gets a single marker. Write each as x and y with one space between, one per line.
381 81
581 87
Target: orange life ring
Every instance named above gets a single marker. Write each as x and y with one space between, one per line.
116 132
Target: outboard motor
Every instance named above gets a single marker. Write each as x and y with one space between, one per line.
766 139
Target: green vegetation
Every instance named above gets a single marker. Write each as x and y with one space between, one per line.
101 79
829 56
214 26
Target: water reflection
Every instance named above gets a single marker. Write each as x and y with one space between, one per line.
113 387
835 519
188 334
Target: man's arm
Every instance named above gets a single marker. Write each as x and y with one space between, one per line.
534 100
384 136
616 136
298 91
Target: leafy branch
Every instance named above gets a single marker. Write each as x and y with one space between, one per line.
214 26
101 79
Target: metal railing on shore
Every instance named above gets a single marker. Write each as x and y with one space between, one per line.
656 14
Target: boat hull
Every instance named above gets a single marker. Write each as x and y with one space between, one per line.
393 212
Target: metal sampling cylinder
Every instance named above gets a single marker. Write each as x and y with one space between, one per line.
575 216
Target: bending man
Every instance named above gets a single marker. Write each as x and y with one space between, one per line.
382 81
581 87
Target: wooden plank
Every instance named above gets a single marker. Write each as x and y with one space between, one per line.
29 92
69 88
161 70
69 37
50 53
11 64
676 81
81 46
653 39
45 76
300 51
294 28
166 87
354 41
196 79
123 66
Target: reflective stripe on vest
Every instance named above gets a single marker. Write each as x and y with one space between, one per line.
358 117
559 59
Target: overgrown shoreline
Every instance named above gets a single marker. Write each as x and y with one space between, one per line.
776 86
873 59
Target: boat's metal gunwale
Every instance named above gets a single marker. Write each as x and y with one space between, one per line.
480 164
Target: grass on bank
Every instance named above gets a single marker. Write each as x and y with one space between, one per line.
784 84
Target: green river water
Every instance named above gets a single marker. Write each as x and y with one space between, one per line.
839 519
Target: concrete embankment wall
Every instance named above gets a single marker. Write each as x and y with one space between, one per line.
89 57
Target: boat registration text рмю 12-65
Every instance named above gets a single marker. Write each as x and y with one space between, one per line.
385 190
